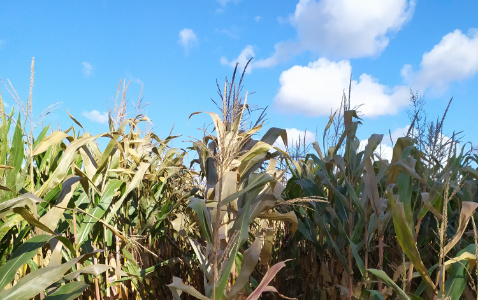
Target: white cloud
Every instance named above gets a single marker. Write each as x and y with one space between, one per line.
187 38
295 135
317 89
242 59
455 58
257 18
87 69
349 28
96 116
342 28
138 81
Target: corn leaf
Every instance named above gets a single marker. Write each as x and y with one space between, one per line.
20 257
387 280
467 210
178 284
33 283
249 262
69 291
263 285
98 211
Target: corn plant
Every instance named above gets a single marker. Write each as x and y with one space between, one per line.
352 234
241 187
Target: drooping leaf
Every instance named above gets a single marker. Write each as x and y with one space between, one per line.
467 210
388 281
263 285
51 218
52 139
289 217
178 284
95 269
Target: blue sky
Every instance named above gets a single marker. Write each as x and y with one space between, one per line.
304 52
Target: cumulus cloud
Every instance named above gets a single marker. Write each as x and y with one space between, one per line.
96 116
342 28
187 38
317 89
295 135
87 69
349 28
455 58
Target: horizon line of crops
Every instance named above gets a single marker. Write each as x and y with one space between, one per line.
132 221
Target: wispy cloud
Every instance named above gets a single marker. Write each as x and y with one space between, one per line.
187 39
232 33
225 2
242 59
257 18
96 116
87 69
2 43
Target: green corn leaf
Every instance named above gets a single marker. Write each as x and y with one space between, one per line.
41 136
53 139
199 206
16 156
64 165
69 291
458 275
388 281
133 184
270 137
33 283
20 257
406 240
99 210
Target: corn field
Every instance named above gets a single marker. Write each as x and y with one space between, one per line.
243 219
